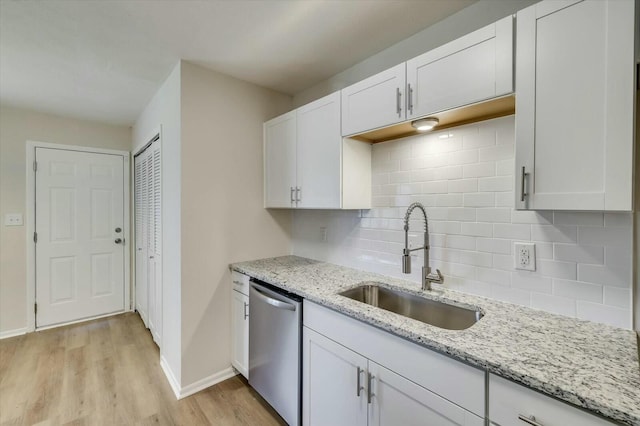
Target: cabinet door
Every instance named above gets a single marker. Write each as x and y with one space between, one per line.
470 69
280 161
575 105
508 401
331 375
319 153
240 333
377 101
398 401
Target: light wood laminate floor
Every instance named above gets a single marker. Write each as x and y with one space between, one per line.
107 372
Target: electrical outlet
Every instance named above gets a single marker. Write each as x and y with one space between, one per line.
13 219
525 256
323 234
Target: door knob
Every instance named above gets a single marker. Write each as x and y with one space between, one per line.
118 240
118 230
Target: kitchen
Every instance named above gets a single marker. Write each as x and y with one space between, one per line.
490 188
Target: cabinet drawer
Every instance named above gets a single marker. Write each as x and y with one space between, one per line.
240 282
508 400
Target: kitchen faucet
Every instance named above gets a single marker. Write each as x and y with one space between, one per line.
427 276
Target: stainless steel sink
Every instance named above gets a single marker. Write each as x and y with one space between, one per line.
428 311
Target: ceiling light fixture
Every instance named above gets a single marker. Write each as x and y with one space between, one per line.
425 124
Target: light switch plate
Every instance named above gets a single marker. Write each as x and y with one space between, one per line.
525 256
13 219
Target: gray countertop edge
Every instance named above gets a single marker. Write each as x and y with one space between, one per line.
585 402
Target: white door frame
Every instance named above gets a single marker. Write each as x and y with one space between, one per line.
31 222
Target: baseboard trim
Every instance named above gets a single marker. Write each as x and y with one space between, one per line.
13 333
175 386
211 380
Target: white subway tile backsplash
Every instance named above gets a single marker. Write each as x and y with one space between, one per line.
494 153
497 184
606 236
511 295
554 304
494 215
505 167
578 290
463 185
580 254
492 245
530 281
555 269
505 199
532 217
512 231
614 296
603 274
553 233
578 218
584 259
476 229
618 219
480 199
479 170
611 315
494 276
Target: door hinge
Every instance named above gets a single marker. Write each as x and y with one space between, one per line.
35 166
35 308
35 237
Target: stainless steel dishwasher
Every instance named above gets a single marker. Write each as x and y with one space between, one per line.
275 337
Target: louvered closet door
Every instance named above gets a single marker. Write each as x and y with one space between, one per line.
154 239
141 212
148 190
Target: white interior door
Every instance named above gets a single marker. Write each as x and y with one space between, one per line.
80 235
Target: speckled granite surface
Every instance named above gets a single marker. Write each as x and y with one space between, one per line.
590 365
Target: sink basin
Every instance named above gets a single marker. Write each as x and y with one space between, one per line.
428 311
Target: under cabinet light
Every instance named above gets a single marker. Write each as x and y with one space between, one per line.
425 124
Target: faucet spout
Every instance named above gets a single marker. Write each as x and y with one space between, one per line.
427 276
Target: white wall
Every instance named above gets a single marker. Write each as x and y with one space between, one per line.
16 127
466 183
223 220
164 111
478 15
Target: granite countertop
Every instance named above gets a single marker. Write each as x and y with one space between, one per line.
590 365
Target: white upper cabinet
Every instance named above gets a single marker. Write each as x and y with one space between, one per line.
280 161
473 68
377 101
575 105
319 153
307 164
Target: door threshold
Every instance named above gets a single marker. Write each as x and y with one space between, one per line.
62 324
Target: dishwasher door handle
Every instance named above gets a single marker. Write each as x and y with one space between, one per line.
273 302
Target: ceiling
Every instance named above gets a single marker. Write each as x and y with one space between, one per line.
104 59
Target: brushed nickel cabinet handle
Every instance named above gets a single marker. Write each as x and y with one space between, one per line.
522 186
293 200
529 420
370 378
410 98
298 194
246 313
359 386
398 104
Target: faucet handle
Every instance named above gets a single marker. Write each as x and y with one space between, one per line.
437 278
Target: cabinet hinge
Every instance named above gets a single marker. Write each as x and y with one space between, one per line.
35 166
35 237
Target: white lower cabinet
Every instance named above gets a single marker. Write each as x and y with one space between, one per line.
354 374
240 323
511 404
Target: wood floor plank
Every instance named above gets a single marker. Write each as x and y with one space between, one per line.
107 372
